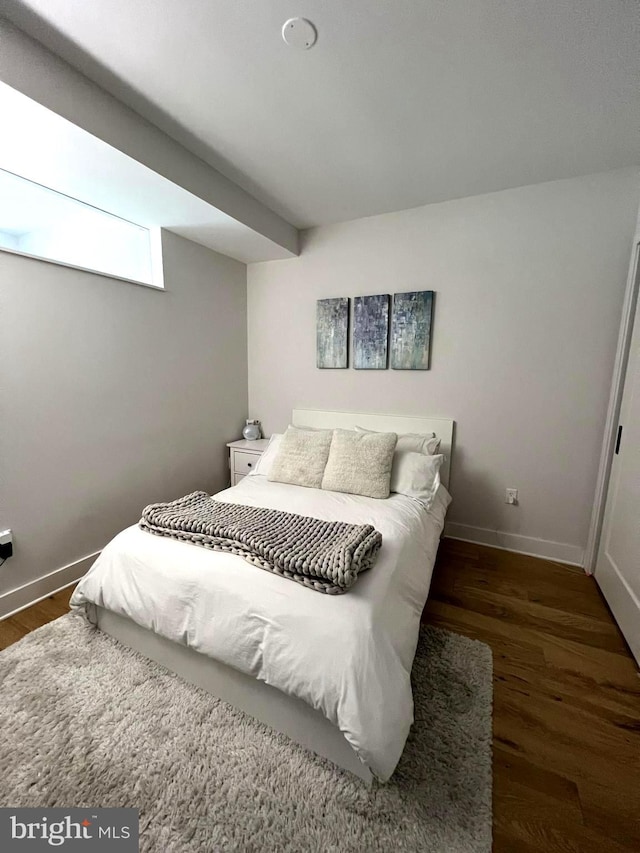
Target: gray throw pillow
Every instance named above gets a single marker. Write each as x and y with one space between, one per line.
301 457
360 463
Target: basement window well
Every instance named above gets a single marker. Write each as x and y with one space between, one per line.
41 223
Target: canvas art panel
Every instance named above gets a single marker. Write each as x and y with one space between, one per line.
332 332
370 331
411 330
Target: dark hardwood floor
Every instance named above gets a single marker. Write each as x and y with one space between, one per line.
566 724
566 747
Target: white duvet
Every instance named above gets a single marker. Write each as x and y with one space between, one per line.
349 656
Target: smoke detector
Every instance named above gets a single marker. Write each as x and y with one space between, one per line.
300 33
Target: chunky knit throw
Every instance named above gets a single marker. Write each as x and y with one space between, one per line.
323 555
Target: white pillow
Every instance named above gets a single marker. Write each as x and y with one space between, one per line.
416 475
266 458
301 457
416 442
360 463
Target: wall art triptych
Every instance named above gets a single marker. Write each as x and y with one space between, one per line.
408 348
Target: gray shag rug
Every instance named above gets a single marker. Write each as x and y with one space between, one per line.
86 722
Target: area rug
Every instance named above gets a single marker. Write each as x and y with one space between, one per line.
84 721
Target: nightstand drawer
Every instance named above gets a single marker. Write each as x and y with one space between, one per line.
244 456
244 462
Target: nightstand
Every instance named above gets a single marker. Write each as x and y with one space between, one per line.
243 457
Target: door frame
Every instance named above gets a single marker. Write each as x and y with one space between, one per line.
615 401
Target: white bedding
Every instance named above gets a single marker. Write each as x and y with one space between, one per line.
349 656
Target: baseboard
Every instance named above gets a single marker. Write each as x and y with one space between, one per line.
529 545
30 593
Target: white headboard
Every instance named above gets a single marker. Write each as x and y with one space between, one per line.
443 427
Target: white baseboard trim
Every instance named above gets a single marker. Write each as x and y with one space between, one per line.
529 545
30 593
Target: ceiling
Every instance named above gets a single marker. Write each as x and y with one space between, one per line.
400 103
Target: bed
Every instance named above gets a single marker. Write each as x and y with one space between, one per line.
331 672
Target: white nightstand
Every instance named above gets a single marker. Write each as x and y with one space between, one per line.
243 457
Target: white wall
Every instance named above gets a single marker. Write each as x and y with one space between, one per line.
112 396
529 286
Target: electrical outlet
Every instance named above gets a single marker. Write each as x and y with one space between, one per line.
511 497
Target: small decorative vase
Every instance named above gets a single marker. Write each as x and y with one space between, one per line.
252 430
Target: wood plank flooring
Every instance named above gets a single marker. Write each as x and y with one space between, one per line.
566 752
566 746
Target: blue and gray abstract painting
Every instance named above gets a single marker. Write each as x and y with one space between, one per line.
411 330
332 332
370 331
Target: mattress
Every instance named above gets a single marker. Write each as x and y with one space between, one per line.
348 656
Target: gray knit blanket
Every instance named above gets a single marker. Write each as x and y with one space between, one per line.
323 555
